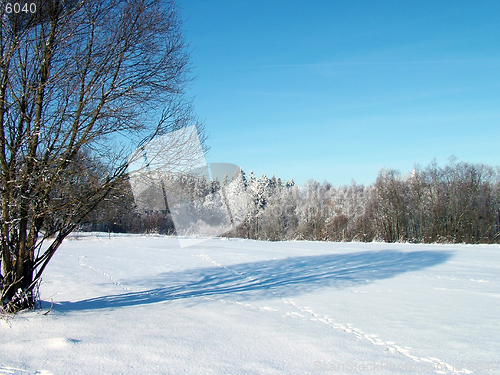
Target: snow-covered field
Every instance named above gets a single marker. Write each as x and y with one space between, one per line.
143 305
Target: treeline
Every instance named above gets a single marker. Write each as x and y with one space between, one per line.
458 203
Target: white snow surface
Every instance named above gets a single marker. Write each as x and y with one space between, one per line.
134 304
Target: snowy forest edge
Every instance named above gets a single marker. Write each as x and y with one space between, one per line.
457 203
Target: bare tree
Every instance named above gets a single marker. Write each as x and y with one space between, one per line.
79 82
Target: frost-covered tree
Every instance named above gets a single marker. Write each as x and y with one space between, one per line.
313 210
236 195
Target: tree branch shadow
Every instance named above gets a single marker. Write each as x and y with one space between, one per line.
284 277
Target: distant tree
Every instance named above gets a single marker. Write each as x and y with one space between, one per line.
214 186
272 225
335 228
391 206
78 79
236 196
313 210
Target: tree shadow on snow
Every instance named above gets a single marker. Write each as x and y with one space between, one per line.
270 278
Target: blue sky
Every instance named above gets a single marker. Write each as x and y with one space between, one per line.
335 90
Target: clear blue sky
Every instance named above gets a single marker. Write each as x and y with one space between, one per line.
335 90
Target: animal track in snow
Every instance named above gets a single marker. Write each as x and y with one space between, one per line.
113 280
207 258
390 346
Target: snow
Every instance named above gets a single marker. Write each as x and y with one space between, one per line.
134 304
